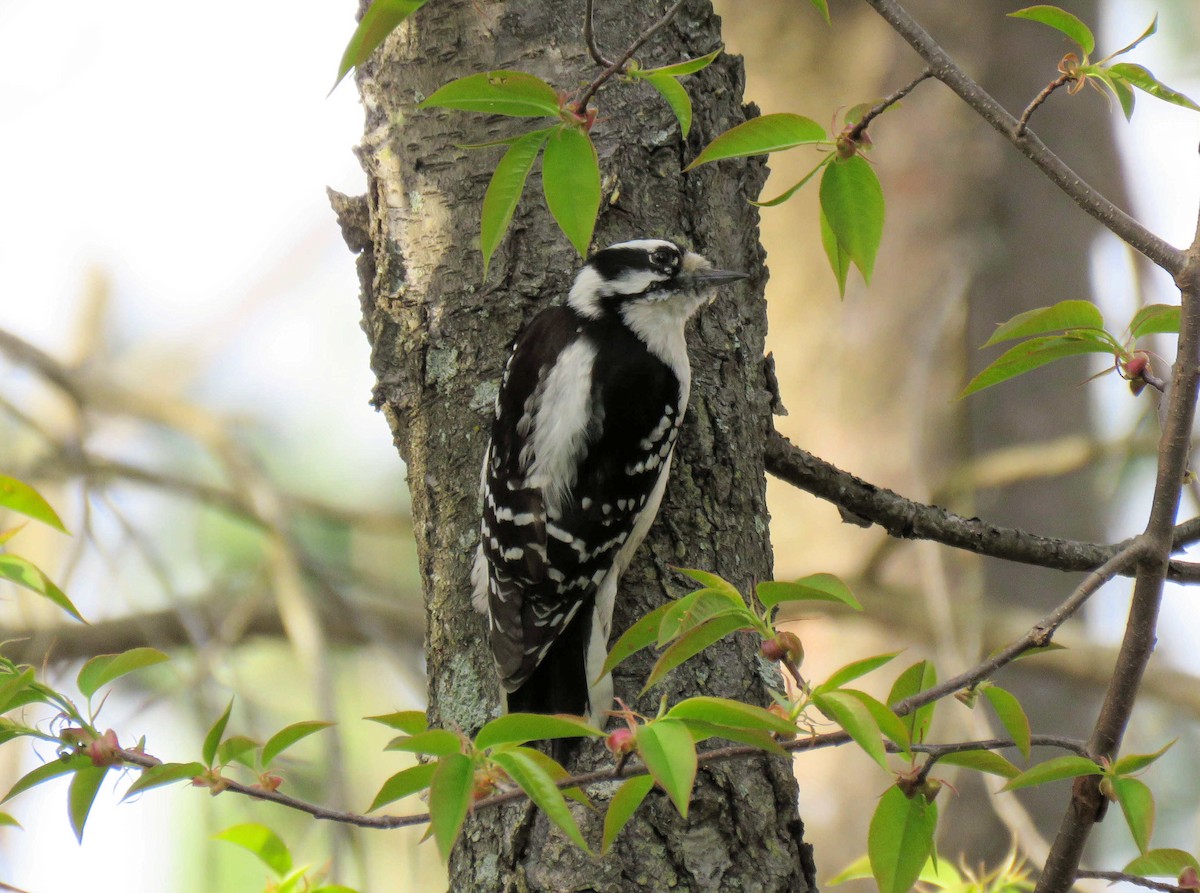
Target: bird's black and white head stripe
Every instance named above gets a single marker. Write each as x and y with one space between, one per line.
586 420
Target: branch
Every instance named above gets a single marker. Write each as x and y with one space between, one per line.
1019 131
1138 642
589 35
1115 876
949 73
855 133
619 65
905 519
228 620
599 776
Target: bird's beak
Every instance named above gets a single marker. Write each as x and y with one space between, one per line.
717 277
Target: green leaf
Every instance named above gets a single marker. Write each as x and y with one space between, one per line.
667 749
1011 715
982 761
710 580
380 19
104 668
1138 805
920 676
853 716
784 196
758 136
436 742
703 605
404 784
164 773
1162 863
82 794
47 771
213 739
540 787
1148 83
511 93
622 807
262 842
734 714
676 96
822 7
1063 315
900 839
237 749
690 66
815 588
1125 96
854 670
1155 319
1136 762
517 728
889 723
839 259
450 794
1053 770
1033 354
504 191
571 182
556 772
286 737
641 635
17 496
8 821
13 684
1060 20
852 201
410 722
24 573
692 643
1150 29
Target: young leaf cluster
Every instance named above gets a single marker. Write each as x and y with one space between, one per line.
1120 78
1070 328
851 199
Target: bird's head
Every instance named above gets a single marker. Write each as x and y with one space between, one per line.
646 272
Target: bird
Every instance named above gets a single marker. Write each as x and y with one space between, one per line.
589 408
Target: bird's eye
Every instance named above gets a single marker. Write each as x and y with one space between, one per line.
663 258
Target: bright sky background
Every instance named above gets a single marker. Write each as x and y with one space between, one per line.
185 150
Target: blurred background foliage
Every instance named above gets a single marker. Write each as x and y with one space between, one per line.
184 379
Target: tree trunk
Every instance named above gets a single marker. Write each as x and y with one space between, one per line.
439 336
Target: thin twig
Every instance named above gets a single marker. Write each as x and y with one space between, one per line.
589 35
585 779
949 73
856 132
619 66
1019 130
1133 879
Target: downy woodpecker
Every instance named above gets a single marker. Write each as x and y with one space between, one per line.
589 407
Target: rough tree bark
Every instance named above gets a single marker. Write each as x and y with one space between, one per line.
439 336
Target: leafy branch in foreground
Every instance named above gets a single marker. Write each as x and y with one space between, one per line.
1069 328
1077 69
